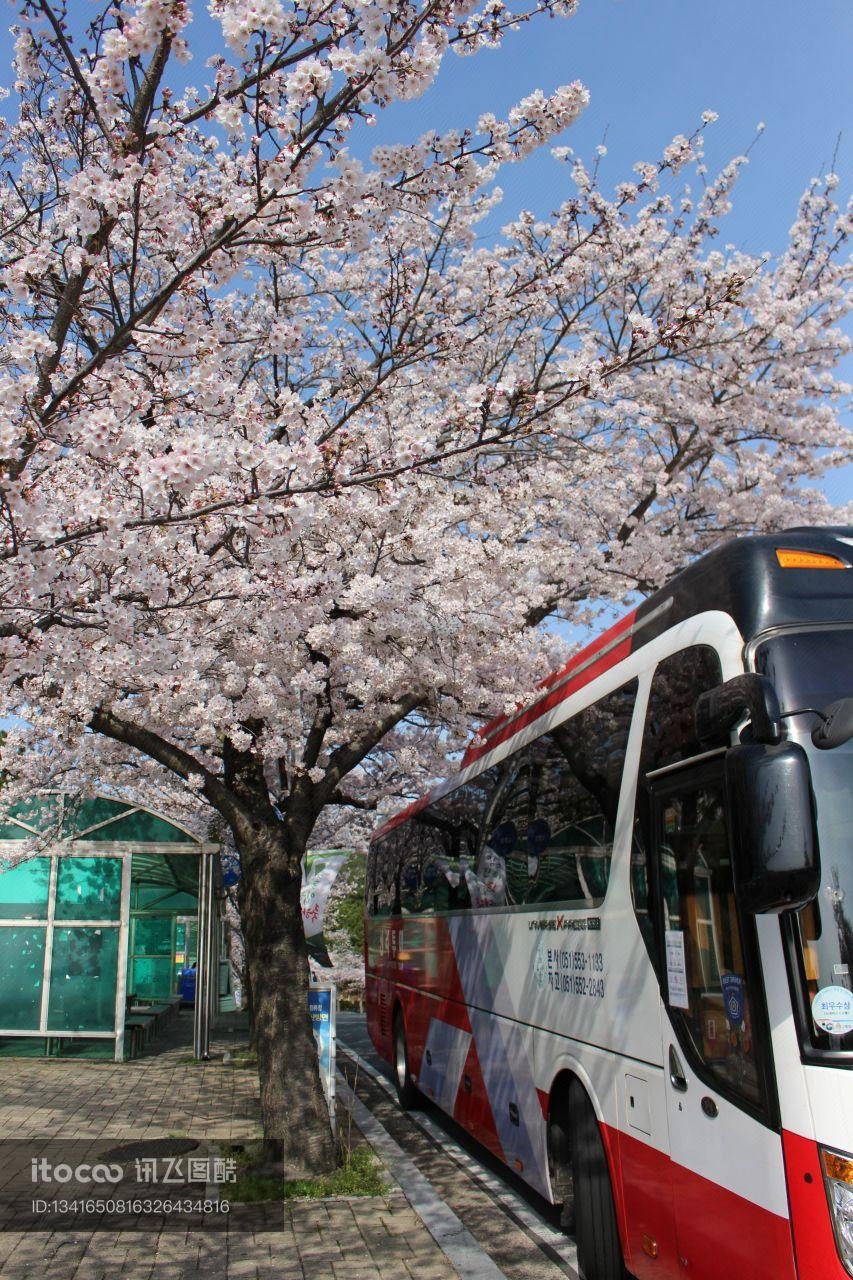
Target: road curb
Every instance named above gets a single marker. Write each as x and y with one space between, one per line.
453 1238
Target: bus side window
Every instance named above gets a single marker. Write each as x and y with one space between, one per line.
422 866
668 737
380 878
641 891
569 828
537 828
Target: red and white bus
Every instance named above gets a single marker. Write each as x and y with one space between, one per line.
616 946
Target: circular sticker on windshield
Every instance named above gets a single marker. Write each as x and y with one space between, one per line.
832 1010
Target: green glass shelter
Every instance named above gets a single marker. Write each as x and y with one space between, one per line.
111 905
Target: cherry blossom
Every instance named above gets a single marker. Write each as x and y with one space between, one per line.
294 464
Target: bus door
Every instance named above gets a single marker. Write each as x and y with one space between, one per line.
727 1167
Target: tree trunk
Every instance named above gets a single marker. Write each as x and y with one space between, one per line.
247 1000
271 845
294 1110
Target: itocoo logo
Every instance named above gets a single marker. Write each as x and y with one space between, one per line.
43 1171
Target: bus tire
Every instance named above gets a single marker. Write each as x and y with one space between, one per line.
560 1161
596 1229
408 1095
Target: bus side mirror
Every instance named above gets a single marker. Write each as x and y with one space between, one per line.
771 827
718 710
835 726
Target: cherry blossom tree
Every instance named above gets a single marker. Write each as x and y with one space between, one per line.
294 466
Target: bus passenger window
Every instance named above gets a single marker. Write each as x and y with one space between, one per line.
536 828
548 827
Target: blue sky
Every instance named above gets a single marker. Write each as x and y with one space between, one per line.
652 67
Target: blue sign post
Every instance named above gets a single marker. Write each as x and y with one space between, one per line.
322 1005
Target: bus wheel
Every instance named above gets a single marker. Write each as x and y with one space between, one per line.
596 1232
560 1162
409 1097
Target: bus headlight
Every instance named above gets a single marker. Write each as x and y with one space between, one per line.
838 1176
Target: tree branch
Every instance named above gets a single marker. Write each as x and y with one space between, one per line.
346 757
76 71
171 757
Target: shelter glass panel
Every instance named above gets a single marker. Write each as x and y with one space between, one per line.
186 941
83 980
22 1047
151 977
38 813
152 936
24 890
155 876
58 1047
88 889
147 897
152 965
81 813
21 972
142 827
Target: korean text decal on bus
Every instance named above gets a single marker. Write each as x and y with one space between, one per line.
616 947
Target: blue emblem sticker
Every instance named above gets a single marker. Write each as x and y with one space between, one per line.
733 997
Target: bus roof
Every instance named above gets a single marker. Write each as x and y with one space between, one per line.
765 581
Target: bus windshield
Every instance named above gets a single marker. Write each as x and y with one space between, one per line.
812 669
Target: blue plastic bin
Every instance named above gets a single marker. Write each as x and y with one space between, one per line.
186 986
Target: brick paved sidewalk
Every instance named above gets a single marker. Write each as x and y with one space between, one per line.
167 1095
